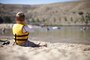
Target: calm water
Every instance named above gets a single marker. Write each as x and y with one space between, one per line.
65 34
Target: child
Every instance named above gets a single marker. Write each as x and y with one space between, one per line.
21 31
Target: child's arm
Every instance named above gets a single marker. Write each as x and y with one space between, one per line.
28 28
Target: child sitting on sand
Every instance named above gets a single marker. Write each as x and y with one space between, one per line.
21 32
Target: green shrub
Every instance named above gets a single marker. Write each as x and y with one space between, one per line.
65 18
7 19
1 20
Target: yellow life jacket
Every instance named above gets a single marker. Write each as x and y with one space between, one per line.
19 36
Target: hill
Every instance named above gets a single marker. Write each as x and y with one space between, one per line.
67 13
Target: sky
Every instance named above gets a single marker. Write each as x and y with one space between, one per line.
32 1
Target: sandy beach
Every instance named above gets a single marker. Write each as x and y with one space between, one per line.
53 51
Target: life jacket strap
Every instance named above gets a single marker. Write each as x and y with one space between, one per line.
21 35
20 39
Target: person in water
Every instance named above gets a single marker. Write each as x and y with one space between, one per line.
21 32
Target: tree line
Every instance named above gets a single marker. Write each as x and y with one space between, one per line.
5 19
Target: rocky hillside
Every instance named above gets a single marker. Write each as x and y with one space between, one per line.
67 13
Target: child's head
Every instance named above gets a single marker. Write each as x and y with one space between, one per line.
20 17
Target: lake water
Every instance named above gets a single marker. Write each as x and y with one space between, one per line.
63 34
